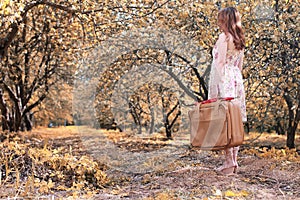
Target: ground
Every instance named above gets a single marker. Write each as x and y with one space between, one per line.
150 167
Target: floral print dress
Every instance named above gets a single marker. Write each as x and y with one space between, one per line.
228 82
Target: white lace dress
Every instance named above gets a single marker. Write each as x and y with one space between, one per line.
227 82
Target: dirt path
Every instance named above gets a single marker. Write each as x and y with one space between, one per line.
147 168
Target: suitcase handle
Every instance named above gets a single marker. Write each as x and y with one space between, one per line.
215 99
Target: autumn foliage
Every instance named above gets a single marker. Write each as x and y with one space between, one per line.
34 166
137 67
45 43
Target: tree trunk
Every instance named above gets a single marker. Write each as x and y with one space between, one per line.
278 127
152 120
12 119
4 113
4 120
168 125
136 116
290 142
291 133
294 118
152 115
28 121
168 132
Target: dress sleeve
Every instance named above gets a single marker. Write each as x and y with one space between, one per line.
241 61
222 50
216 74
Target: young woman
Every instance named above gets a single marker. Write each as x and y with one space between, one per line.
226 77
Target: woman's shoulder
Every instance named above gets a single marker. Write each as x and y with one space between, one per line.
225 37
222 36
221 39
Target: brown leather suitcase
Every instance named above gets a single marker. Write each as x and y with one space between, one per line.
216 124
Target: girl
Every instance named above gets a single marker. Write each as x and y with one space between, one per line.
226 77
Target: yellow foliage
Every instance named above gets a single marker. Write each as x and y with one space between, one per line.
165 196
278 154
45 186
230 193
19 158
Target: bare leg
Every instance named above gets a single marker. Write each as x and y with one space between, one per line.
229 164
235 153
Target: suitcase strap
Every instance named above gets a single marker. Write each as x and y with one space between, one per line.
215 99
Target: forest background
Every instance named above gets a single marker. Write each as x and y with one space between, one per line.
139 66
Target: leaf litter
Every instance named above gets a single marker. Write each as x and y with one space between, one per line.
56 164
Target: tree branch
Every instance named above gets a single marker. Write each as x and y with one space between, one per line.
4 44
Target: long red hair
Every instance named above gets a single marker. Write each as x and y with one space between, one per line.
229 20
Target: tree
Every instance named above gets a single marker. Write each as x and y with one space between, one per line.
40 41
56 107
34 57
273 73
266 57
175 37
